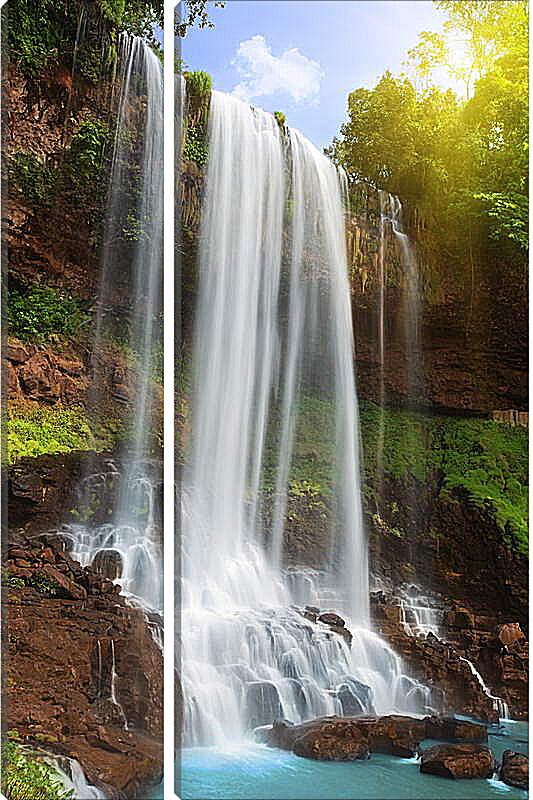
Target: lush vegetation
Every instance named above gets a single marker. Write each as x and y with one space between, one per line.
86 156
196 13
486 460
35 178
195 146
34 430
36 312
461 158
26 776
42 34
483 460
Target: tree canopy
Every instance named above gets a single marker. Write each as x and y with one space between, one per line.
462 160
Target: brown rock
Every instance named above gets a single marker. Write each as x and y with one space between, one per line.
346 738
509 633
72 367
514 770
332 619
17 353
68 587
449 729
458 761
461 618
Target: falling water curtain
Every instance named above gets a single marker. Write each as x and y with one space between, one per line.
352 404
82 363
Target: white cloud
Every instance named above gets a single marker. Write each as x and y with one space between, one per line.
264 74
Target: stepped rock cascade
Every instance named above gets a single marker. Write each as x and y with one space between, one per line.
273 329
132 533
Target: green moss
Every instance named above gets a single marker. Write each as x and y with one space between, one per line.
485 459
26 776
34 430
35 312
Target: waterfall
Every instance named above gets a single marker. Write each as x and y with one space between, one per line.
273 339
498 704
131 271
73 779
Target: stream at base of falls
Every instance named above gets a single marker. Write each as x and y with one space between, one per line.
259 772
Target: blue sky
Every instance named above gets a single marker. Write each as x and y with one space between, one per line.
303 57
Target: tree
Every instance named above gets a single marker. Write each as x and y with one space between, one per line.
196 13
462 162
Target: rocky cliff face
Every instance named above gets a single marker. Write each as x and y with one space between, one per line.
84 673
84 668
472 352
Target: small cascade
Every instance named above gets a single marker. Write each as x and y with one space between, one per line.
498 704
127 553
273 347
113 686
418 615
117 525
73 779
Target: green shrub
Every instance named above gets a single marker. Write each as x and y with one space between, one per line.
35 179
26 776
86 156
43 584
280 118
35 430
35 312
199 84
195 146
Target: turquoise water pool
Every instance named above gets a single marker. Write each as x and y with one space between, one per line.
257 772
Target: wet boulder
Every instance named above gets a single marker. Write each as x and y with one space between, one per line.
263 704
509 633
514 770
331 619
347 738
458 761
449 729
355 697
108 563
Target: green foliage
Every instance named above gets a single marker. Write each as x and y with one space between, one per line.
12 581
485 459
26 776
43 584
35 179
196 13
86 155
463 161
35 312
199 84
280 118
33 430
195 146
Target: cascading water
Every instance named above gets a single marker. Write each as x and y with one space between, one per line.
131 537
73 779
273 336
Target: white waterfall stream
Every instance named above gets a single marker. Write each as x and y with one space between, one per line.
273 333
130 537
